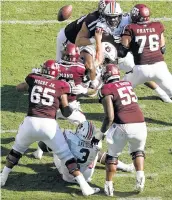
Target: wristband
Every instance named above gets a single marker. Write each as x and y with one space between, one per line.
92 41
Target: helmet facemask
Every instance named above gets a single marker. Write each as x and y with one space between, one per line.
113 21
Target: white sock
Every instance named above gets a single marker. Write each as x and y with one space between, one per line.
109 183
81 180
139 174
121 165
6 170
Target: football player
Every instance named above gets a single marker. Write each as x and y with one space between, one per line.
112 27
86 154
45 95
73 72
145 39
124 122
84 24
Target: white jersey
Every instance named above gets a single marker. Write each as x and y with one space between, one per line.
82 150
116 32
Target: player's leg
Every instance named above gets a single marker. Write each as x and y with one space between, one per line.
21 144
137 134
127 63
120 166
161 93
163 77
60 40
60 147
88 56
116 142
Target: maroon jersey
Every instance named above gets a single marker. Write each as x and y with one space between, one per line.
126 108
73 73
145 43
44 95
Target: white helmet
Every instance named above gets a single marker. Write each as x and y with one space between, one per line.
113 14
109 51
102 4
85 131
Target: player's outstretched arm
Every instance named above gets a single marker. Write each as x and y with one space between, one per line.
82 38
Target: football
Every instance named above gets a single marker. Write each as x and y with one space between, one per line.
64 13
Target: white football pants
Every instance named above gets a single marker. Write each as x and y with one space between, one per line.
42 129
119 134
60 40
157 72
78 117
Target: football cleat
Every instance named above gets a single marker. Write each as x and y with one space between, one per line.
38 153
129 168
140 182
3 178
108 189
86 191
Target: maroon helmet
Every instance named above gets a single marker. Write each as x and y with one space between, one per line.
102 4
140 13
110 72
50 69
71 53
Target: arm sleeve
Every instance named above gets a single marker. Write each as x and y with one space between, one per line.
127 31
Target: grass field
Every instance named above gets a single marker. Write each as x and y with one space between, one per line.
25 46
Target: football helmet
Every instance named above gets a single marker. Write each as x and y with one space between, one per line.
102 4
70 53
110 52
85 131
50 69
112 14
110 72
140 13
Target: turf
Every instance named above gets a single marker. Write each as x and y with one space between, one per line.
27 46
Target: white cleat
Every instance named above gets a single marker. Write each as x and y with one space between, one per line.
38 153
3 178
140 184
129 168
89 191
108 189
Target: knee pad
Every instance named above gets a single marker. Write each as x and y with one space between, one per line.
72 165
44 147
13 157
137 154
111 160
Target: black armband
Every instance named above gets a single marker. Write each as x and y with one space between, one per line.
163 49
122 51
66 111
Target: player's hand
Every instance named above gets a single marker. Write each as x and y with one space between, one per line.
95 83
36 70
94 141
79 89
98 34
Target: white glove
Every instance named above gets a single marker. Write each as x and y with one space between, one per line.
79 89
95 83
36 70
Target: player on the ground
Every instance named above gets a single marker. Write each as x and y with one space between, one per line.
87 155
145 39
45 95
124 122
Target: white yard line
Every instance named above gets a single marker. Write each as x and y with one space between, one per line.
80 0
134 175
141 198
150 129
42 22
